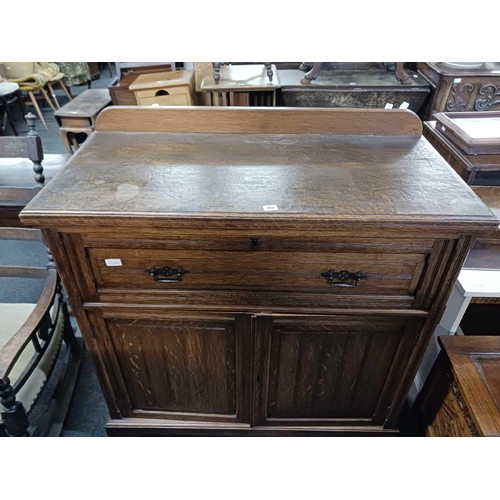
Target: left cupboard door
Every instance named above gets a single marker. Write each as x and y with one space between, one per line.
179 366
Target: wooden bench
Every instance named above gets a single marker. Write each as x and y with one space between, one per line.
78 116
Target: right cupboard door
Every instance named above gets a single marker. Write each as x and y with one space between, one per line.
329 370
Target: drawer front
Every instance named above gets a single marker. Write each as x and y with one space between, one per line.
159 91
165 100
75 122
385 274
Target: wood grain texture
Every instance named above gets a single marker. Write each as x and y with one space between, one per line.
87 105
328 370
256 120
316 176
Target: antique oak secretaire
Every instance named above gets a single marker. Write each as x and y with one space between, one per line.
257 270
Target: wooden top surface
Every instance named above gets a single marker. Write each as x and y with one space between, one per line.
86 105
242 77
235 175
164 79
476 367
481 162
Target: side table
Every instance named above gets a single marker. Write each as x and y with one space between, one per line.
242 85
78 116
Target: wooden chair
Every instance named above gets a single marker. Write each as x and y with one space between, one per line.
16 182
31 81
54 77
30 341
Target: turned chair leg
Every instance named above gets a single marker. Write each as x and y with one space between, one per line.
35 104
14 415
216 66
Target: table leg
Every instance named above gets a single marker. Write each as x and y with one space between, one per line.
64 136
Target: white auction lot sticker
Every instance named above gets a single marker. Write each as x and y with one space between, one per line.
269 208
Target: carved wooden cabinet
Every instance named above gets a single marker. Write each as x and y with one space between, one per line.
460 89
246 270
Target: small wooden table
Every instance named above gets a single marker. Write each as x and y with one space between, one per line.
474 169
172 88
461 397
243 85
78 116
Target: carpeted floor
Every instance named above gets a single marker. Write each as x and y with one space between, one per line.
88 413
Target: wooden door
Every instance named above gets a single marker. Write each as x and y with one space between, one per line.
186 366
329 370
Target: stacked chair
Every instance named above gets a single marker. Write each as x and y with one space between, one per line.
33 78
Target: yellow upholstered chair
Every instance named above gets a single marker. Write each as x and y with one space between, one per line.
31 81
51 71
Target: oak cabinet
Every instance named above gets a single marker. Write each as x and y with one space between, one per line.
268 271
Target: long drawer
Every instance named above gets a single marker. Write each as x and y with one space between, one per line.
322 272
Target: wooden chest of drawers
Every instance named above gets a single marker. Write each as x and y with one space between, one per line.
268 271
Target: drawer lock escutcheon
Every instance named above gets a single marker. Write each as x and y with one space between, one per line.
158 272
343 276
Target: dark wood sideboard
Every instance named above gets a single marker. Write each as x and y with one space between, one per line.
460 89
273 271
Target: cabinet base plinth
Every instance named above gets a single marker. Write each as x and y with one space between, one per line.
134 427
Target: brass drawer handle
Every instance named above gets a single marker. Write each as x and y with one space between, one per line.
343 276
156 272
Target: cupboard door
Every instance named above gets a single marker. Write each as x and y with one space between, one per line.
336 370
186 366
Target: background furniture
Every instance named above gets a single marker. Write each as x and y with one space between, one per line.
460 89
474 169
478 282
242 85
302 304
78 116
462 394
475 133
126 67
19 158
313 70
9 93
173 88
120 92
351 85
33 83
30 338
